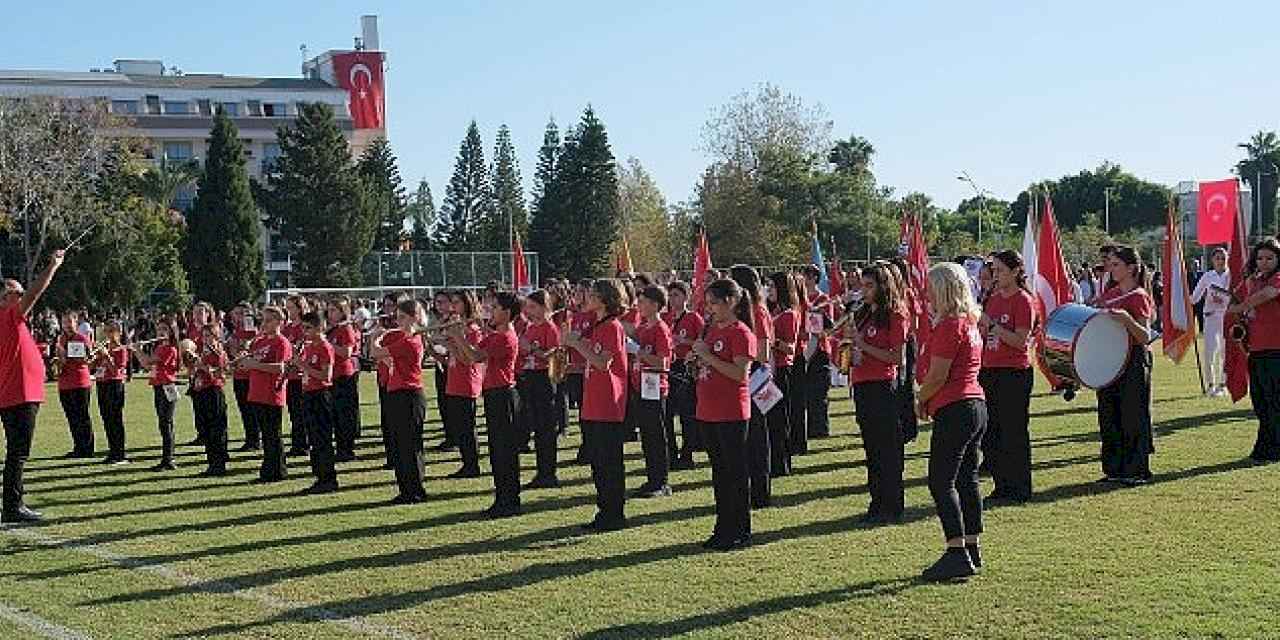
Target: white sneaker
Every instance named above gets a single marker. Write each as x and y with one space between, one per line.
1218 392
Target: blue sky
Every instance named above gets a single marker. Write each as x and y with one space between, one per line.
1009 92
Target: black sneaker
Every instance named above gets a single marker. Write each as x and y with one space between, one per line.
729 544
165 466
498 511
975 555
465 472
656 492
682 463
20 515
543 483
345 456
953 565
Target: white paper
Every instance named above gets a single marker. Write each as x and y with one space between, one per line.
247 323
76 350
650 385
759 378
767 396
171 392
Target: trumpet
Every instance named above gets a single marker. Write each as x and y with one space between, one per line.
1239 330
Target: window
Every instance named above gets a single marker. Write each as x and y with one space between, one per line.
153 105
205 108
177 108
255 108
124 107
232 109
247 145
274 110
177 151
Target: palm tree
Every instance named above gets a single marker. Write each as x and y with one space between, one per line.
1259 169
852 156
162 183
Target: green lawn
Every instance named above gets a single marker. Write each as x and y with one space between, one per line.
128 553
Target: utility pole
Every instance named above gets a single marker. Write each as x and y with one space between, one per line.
1106 194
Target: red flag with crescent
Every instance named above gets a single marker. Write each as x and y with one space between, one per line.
360 73
1216 211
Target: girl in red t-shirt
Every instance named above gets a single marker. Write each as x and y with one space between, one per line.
74 385
949 392
537 395
315 363
163 363
207 400
294 307
441 311
1124 406
243 331
1007 321
463 381
267 396
1261 310
878 332
785 306
406 404
604 399
724 356
385 321
344 335
758 445
649 365
112 363
686 327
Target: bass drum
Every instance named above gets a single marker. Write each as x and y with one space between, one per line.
1084 347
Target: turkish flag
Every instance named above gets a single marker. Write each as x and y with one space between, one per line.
360 73
519 270
1235 359
912 249
1216 212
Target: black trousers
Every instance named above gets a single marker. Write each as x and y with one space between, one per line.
603 443
909 425
461 416
346 408
269 419
1264 392
406 409
1124 420
876 404
953 466
384 423
779 422
75 406
297 417
650 417
759 458
210 408
111 410
318 407
441 380
727 449
681 401
538 419
505 440
817 386
164 421
1006 444
19 427
252 437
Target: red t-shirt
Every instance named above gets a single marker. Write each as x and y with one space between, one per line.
112 364
21 363
868 368
294 333
164 365
719 398
381 366
212 377
405 371
502 347
631 316
245 338
1264 325
75 371
316 354
265 388
958 340
195 332
1137 302
786 329
762 325
654 338
686 325
345 336
540 336
604 391
581 324
1015 312
465 380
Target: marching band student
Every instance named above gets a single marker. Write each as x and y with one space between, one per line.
1007 320
798 403
537 396
441 311
686 327
651 363
725 355
949 392
406 404
463 386
1261 310
387 322
242 335
559 298
758 457
266 364
295 306
112 362
916 316
1215 307
786 330
1124 407
345 338
207 400
201 314
74 384
498 351
817 376
316 365
163 363
21 387
580 321
879 334
604 399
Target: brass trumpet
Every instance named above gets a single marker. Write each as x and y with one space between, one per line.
1239 330
557 364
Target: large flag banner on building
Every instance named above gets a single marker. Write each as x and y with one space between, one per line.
1216 211
360 73
1177 316
1236 359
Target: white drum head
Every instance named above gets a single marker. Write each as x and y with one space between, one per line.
1102 349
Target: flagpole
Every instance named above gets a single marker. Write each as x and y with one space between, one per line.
1191 322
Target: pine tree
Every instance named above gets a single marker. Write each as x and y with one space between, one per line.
382 176
546 171
544 227
224 239
468 199
421 211
508 198
319 202
587 186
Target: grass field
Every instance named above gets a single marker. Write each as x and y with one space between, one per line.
128 553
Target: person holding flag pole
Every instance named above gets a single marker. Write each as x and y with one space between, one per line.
1260 311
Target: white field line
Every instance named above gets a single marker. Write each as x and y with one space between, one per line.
42 627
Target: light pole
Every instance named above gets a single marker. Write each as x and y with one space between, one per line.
1106 194
982 201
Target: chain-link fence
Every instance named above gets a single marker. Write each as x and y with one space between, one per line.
436 270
